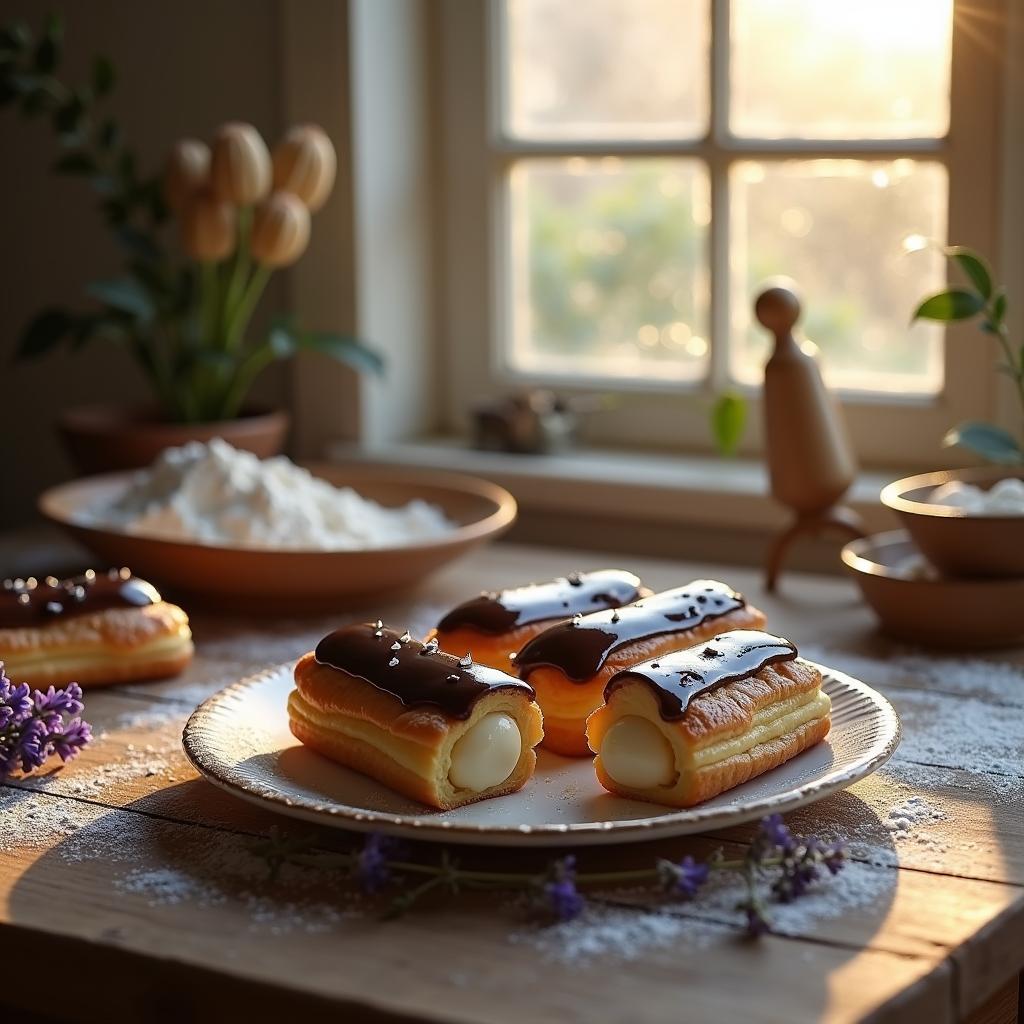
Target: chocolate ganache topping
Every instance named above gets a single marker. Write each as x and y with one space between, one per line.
577 593
32 603
415 673
678 677
580 646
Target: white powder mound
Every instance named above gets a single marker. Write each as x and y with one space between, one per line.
600 933
214 494
1004 498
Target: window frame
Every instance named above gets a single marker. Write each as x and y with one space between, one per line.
475 157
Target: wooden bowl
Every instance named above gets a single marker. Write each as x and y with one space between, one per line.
255 579
956 543
913 602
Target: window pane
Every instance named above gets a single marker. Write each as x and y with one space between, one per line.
630 69
850 233
851 69
609 274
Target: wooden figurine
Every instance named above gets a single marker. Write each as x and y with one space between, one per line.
809 459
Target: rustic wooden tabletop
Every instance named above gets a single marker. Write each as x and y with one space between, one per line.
135 882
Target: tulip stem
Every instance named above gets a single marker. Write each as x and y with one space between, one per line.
239 272
239 318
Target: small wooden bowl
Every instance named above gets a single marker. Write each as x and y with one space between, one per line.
913 602
956 543
282 581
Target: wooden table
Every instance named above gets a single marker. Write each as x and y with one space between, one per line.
140 876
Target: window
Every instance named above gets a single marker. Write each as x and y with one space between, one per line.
651 162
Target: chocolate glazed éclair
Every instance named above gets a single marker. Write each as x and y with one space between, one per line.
580 646
677 678
578 593
32 603
417 674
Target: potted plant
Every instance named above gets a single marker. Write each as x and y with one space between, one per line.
241 213
985 301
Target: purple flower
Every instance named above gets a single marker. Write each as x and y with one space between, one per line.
757 921
371 869
683 877
561 898
32 725
774 837
68 743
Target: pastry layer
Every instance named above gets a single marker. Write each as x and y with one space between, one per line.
727 736
567 704
113 646
409 749
493 651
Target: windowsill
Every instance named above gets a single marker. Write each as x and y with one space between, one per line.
658 488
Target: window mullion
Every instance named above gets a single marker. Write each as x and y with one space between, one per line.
718 174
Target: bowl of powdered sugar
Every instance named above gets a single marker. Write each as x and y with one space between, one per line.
209 520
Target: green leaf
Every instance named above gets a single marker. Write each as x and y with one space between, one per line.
138 243
999 307
103 76
69 117
75 163
48 51
728 420
350 351
109 134
992 443
16 37
974 266
954 304
124 294
44 333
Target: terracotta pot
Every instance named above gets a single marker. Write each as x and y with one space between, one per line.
102 439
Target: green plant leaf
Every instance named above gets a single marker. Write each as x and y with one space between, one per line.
103 76
44 332
139 244
16 37
973 264
999 306
992 443
109 134
728 421
75 163
68 118
48 51
124 294
953 304
345 349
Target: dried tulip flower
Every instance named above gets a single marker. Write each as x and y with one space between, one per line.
187 171
280 230
305 165
240 168
208 228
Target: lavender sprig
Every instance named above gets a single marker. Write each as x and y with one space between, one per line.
790 864
35 725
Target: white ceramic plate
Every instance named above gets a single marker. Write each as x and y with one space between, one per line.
239 739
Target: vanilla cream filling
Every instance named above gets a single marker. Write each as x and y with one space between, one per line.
768 724
57 658
487 754
421 758
635 753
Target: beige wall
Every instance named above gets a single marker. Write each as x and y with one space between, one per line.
183 68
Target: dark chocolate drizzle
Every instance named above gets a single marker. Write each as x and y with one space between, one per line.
578 593
678 677
417 674
581 646
30 603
